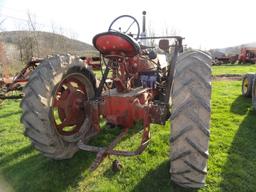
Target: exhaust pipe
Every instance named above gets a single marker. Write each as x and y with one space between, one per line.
144 22
144 33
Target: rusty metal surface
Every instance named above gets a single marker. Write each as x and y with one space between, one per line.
102 152
123 109
93 62
127 104
247 55
138 82
9 84
68 112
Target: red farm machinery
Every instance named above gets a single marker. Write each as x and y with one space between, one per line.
225 59
247 55
221 60
64 102
8 84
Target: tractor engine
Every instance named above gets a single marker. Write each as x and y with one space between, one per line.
129 73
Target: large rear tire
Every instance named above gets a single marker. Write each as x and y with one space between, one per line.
45 87
247 85
190 119
254 93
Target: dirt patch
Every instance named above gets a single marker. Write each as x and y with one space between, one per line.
4 186
227 77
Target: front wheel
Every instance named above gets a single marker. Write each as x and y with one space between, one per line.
190 119
54 113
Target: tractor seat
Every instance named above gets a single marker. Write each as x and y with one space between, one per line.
116 43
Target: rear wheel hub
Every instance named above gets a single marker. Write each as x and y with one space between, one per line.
68 109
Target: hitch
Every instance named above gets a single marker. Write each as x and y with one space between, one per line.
103 152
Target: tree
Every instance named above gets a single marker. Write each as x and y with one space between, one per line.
26 46
3 61
33 28
28 42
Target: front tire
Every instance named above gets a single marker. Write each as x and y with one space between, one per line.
48 86
190 119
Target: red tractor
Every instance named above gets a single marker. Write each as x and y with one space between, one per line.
63 104
247 55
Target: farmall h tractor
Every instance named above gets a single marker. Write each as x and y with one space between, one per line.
63 102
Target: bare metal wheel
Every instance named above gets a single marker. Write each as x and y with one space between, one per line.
254 93
247 85
68 110
190 119
54 110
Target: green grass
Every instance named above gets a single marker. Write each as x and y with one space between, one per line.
231 167
234 69
98 73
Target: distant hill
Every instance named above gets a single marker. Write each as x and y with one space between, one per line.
45 39
20 46
41 44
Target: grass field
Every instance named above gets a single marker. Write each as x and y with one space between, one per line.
232 161
234 69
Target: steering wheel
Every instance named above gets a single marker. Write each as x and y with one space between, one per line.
131 26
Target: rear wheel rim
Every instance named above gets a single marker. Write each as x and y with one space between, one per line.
68 109
245 85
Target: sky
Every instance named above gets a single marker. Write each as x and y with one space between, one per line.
205 24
